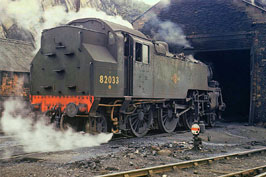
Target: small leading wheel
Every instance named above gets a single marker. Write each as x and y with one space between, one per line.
211 118
167 121
68 123
140 122
96 125
101 124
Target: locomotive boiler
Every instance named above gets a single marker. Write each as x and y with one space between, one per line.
97 76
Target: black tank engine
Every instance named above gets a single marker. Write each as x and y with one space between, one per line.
94 75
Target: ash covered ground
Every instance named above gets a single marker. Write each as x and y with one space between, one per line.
130 153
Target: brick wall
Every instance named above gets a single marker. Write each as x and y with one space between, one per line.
208 24
259 74
14 84
205 16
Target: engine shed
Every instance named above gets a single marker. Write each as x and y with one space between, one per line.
15 59
230 35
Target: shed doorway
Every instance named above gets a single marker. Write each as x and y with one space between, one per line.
231 68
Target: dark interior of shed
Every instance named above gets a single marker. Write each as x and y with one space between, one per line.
232 70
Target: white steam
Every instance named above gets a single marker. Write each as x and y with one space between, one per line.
192 59
150 2
37 136
30 15
169 32
165 2
261 2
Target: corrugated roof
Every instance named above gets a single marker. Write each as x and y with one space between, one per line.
15 55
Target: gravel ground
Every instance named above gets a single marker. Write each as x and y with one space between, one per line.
125 154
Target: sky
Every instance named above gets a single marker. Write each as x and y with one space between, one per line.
151 2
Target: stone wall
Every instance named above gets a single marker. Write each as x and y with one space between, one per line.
208 16
259 73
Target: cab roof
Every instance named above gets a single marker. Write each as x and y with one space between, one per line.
113 26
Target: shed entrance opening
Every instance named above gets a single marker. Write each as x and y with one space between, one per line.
231 69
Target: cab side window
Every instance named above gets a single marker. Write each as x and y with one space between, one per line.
145 54
142 53
138 52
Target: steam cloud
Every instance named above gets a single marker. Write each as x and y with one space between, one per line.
30 15
261 2
37 136
169 32
152 2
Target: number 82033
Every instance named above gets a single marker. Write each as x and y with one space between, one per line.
105 79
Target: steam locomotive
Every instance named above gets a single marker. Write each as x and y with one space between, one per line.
97 76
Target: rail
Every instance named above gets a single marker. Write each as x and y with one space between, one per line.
187 164
249 172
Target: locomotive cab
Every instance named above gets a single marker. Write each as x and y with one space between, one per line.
138 66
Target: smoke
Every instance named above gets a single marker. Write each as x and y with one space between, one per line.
30 15
168 32
263 2
258 2
151 2
165 2
38 136
192 59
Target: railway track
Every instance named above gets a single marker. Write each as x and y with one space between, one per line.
194 163
258 171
